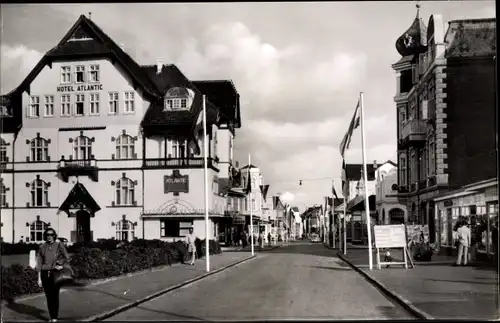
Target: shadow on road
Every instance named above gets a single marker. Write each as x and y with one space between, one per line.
29 310
174 315
331 268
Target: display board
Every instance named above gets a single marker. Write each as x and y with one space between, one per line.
390 236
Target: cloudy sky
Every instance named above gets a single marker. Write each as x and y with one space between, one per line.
299 68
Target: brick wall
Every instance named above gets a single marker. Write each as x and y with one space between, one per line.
470 119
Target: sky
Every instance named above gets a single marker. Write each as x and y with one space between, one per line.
299 69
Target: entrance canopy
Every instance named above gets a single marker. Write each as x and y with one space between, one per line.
79 199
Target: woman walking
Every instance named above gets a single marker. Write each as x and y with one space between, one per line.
51 257
191 246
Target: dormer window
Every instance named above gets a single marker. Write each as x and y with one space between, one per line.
178 98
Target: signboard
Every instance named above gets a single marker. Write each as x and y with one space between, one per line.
176 183
417 233
390 236
239 219
79 88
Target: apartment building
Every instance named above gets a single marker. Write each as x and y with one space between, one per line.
445 105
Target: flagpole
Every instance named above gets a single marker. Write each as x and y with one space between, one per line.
344 224
205 157
365 175
333 224
250 205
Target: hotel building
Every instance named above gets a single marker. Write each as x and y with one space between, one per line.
445 101
97 146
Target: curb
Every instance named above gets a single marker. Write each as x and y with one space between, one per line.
107 314
398 298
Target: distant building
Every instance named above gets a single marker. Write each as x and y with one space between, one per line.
445 102
389 210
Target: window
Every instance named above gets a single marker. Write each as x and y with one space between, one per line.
125 192
432 158
402 176
169 228
125 230
94 103
37 228
39 149
3 151
83 148
79 104
176 104
3 195
66 74
178 98
34 107
49 105
179 148
65 105
94 73
39 193
125 147
113 102
80 74
129 102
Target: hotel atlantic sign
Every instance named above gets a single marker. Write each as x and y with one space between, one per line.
176 183
80 88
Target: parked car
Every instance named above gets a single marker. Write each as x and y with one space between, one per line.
315 238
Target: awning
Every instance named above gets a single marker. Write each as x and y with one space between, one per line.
79 199
358 203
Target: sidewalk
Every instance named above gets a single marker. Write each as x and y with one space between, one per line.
435 289
248 248
82 303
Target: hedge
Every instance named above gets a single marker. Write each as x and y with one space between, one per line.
103 259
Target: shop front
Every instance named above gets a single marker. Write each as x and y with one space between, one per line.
478 205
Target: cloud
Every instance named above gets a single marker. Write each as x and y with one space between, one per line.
287 197
17 63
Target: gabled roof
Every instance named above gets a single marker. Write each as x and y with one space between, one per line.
353 172
78 198
100 45
251 166
224 95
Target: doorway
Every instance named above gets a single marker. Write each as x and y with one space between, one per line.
83 233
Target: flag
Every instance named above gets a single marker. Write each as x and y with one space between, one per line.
334 192
345 185
353 125
249 183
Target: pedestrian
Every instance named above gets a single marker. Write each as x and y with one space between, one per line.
473 237
494 237
191 246
464 239
51 257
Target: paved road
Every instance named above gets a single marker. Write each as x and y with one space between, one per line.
299 281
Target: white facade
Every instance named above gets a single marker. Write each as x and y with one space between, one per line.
389 210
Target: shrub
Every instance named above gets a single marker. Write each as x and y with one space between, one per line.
112 259
18 248
214 247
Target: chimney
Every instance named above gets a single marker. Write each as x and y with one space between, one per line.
375 166
122 46
159 66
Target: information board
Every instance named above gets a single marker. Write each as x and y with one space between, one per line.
390 236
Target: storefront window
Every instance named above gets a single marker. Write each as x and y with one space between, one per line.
493 221
482 227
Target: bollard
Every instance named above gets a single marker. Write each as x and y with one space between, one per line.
32 262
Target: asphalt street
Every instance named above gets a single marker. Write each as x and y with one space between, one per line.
298 281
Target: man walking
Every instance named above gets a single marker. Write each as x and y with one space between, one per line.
464 239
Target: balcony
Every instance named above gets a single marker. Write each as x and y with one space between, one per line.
412 132
81 167
171 163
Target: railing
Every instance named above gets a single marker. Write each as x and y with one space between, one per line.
173 162
414 127
78 163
